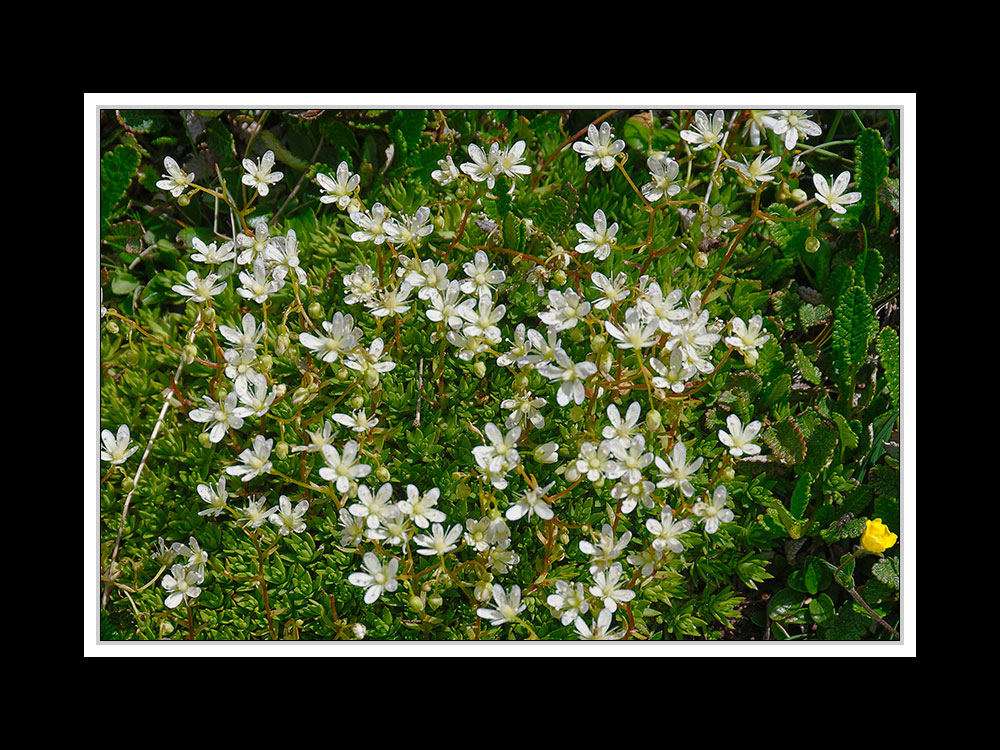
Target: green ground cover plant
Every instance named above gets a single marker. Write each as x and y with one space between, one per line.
480 375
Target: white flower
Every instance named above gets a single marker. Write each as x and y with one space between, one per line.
447 173
675 375
607 548
598 240
438 543
622 429
647 558
758 122
374 508
421 507
255 460
246 338
480 275
570 376
377 579
163 554
446 307
393 301
259 176
241 368
254 514
317 439
176 179
632 459
714 513
601 630
288 519
759 170
358 421
259 285
410 230
663 170
343 469
483 318
523 408
362 285
612 292
429 278
565 309
256 397
509 606
493 469
739 439
284 257
501 445
531 503
210 253
341 338
707 131
663 309
834 196
677 473
509 161
594 461
748 338
199 289
484 166
794 124
569 601
338 189
715 221
370 362
182 583
666 530
635 334
221 416
599 148
546 453
255 245
352 529
372 229
632 495
606 588
215 497
116 447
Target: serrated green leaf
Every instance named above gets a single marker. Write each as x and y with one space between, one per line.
811 315
800 496
809 371
871 163
220 141
779 391
822 443
514 235
887 346
118 168
854 327
887 571
142 120
868 269
786 441
847 436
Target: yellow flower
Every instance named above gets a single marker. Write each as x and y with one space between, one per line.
877 537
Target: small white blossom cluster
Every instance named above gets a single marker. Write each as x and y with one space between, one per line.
184 580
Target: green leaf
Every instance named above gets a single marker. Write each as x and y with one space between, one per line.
784 604
811 315
887 346
220 141
871 163
800 496
822 443
142 120
118 168
809 371
854 327
124 283
786 441
847 436
887 571
868 269
281 153
821 610
514 236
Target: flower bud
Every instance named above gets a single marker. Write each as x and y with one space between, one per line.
183 199
281 344
359 631
416 603
434 601
205 440
479 368
521 381
354 206
799 195
315 310
382 474
462 491
343 374
729 474
280 390
190 352
299 396
812 244
281 450
357 401
653 421
128 484
598 342
112 326
701 260
576 414
266 362
559 277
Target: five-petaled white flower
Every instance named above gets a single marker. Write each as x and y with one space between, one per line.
421 507
409 229
182 583
598 240
748 338
339 189
447 172
707 131
666 530
739 439
254 515
199 289
484 165
480 275
256 460
599 148
715 512
341 338
612 291
215 497
377 578
607 548
569 601
677 472
509 606
221 416
176 179
793 124
715 221
372 224
289 519
343 469
663 171
601 630
259 175
531 503
439 542
759 170
834 195
570 376
509 161
210 254
116 447
607 590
